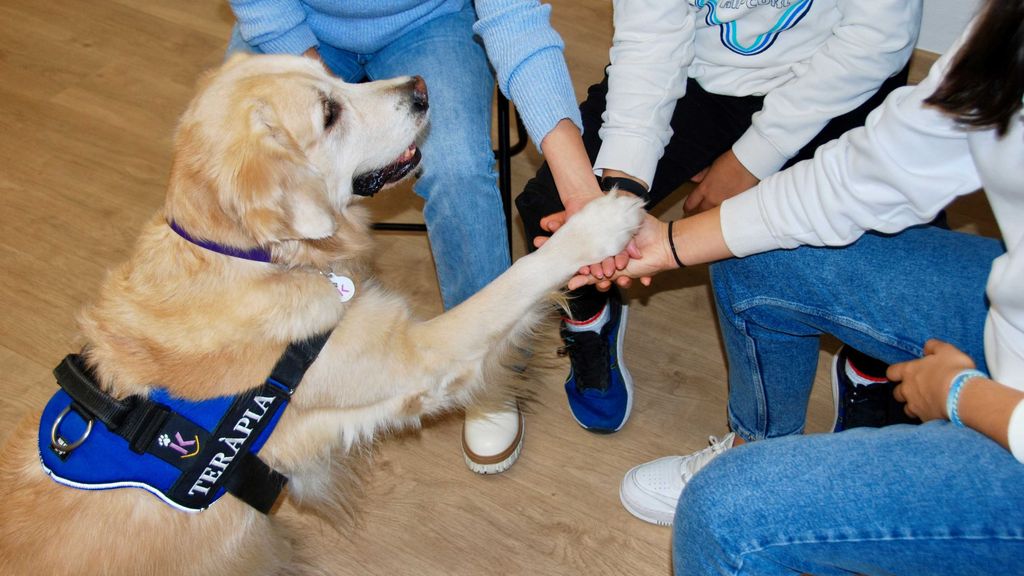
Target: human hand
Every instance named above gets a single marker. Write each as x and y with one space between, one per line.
653 255
725 178
924 383
551 222
600 270
603 269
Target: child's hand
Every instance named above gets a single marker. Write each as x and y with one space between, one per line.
725 178
924 383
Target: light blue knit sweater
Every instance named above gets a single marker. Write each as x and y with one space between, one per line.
524 49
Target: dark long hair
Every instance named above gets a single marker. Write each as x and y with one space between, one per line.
985 82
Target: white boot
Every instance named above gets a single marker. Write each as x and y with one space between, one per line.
492 439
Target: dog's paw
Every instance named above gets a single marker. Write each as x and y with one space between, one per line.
602 228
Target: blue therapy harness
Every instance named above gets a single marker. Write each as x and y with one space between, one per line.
187 453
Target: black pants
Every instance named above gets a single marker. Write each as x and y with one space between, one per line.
704 125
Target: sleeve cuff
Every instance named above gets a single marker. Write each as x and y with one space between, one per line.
743 225
631 154
757 154
295 41
543 94
1015 432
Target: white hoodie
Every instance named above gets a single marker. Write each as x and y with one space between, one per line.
907 163
813 59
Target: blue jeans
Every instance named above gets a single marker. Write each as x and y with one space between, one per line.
924 500
458 182
885 295
930 499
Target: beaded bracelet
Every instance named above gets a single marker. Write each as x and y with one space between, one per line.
953 398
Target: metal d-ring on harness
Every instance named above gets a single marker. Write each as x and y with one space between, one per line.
188 453
61 446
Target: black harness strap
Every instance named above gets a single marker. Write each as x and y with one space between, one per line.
255 483
79 382
136 419
140 420
143 424
296 359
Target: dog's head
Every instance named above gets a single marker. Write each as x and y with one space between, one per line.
273 148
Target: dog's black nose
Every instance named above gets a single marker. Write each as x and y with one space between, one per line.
420 102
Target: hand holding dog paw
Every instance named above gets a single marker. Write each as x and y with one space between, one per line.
605 267
601 229
653 256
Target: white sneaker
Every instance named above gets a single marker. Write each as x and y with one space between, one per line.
492 441
650 491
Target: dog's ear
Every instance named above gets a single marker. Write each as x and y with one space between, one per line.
277 192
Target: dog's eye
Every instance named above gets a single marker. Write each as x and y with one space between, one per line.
332 110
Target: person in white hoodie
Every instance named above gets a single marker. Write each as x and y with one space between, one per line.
725 93
940 498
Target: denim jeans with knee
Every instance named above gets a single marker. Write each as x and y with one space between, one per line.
458 182
930 499
884 295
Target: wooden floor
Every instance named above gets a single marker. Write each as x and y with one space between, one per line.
89 95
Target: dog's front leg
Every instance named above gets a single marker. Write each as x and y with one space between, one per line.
382 372
464 336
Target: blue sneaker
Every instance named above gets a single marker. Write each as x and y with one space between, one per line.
599 387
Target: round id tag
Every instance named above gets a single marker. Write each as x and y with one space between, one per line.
344 285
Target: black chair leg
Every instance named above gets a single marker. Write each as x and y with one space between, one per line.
504 156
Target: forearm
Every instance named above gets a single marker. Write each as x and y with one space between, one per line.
694 240
987 406
699 239
570 166
899 170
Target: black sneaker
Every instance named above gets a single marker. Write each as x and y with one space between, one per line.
599 387
870 406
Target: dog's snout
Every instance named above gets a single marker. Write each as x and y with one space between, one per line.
420 102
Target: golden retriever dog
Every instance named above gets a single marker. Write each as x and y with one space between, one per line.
269 157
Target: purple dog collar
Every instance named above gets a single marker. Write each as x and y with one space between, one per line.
254 254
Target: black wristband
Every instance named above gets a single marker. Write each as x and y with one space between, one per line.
632 186
672 245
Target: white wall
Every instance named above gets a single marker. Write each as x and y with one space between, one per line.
943 21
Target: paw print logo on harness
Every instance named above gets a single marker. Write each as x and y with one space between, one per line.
179 444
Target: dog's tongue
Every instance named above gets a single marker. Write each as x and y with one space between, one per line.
370 183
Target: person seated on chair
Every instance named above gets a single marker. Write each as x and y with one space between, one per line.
940 498
439 40
723 94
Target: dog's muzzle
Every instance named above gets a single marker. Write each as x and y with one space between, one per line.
370 183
